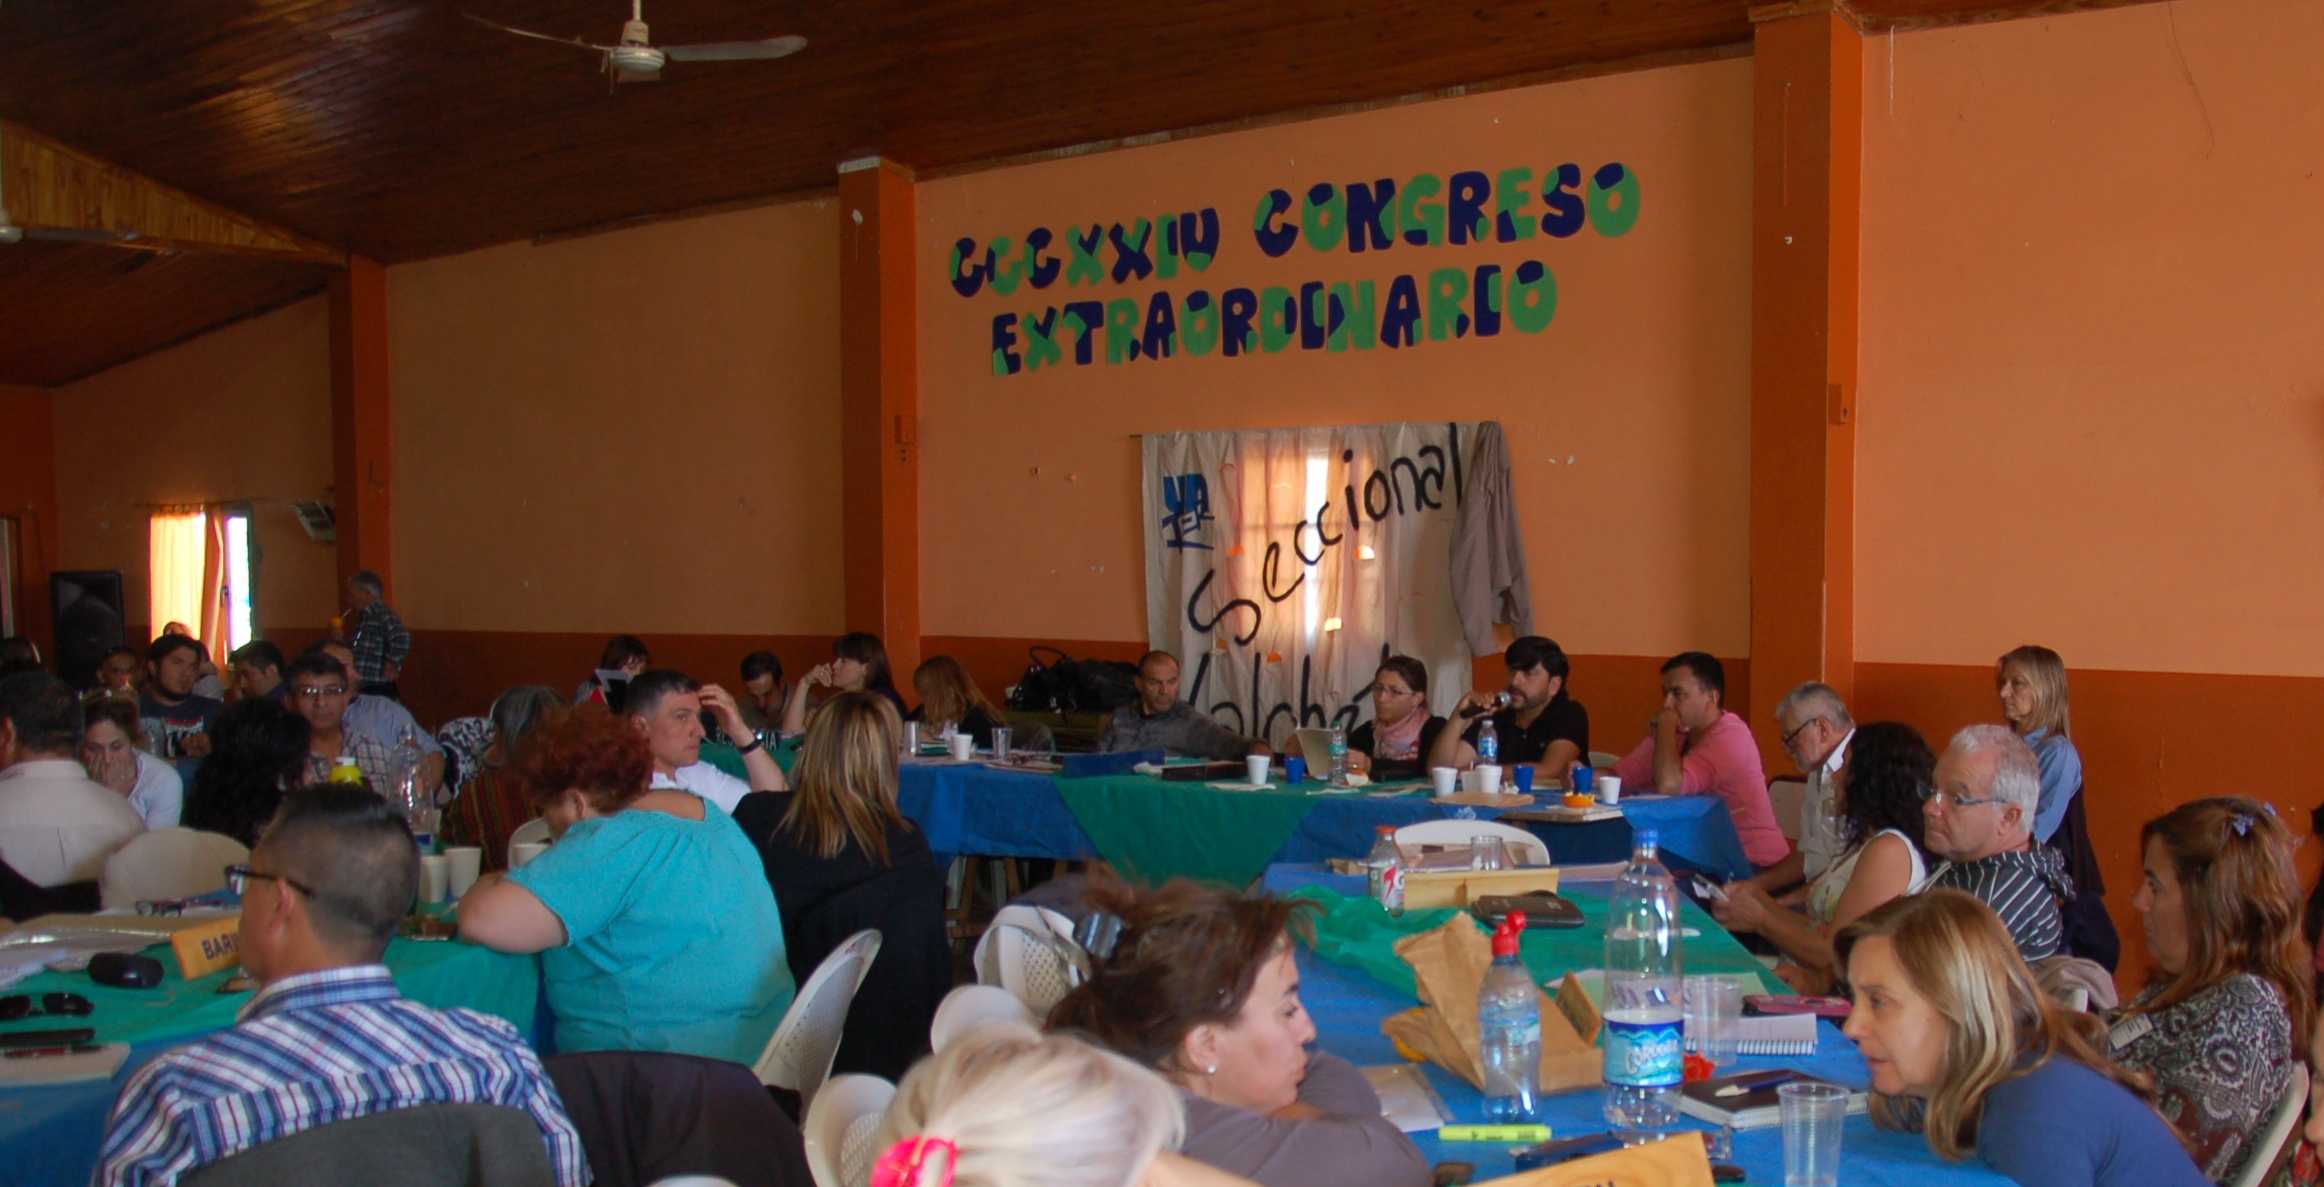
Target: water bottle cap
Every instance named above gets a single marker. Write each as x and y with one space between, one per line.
1386 830
1505 937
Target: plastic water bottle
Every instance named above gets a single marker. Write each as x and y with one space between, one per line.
1509 1030
407 792
1488 744
1645 997
1339 757
1384 872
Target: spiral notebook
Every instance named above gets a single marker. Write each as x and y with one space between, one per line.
1775 1034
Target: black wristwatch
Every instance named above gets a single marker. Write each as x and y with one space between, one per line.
756 741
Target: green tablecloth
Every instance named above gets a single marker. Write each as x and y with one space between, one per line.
1358 932
726 758
437 973
1152 829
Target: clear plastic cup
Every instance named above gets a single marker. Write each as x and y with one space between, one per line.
1714 1006
1813 1114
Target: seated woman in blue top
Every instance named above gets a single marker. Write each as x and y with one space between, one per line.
656 929
1965 1048
2031 683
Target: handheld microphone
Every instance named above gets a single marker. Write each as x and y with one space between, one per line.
1498 703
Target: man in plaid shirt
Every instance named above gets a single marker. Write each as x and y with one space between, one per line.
379 640
327 1037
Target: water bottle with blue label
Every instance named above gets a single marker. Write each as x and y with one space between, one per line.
1645 995
1339 756
1488 744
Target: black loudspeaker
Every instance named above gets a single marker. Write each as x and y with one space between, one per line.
87 609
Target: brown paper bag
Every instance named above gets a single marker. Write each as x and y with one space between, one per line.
1672 1162
1448 964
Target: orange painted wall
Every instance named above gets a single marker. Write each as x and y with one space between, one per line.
28 495
1626 416
239 415
2092 398
631 432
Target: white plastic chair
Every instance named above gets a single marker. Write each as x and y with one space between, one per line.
1789 797
839 1129
799 1055
2282 1129
969 1006
531 832
1524 847
168 863
1030 952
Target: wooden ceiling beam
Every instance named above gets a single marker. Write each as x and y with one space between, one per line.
51 186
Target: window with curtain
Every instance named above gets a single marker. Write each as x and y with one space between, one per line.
202 561
180 542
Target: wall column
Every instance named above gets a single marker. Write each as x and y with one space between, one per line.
360 449
880 406
1807 177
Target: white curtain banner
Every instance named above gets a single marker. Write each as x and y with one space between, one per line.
1282 565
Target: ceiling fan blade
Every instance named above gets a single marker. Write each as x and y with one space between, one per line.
535 36
736 51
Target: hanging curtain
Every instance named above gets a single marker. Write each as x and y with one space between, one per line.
178 560
213 626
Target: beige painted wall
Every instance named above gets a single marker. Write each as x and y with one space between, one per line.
636 431
240 414
2093 380
1627 416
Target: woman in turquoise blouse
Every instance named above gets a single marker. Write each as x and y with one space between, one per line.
656 929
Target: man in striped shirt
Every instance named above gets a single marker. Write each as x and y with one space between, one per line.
1980 818
327 1037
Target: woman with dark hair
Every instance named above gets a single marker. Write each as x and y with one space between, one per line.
842 858
1965 1048
258 751
1878 793
1395 743
2216 1025
625 654
1203 987
650 910
113 751
859 663
948 695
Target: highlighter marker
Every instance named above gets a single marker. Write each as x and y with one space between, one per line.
1523 1134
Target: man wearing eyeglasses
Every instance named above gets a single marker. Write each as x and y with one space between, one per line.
318 692
1980 820
1816 732
327 1037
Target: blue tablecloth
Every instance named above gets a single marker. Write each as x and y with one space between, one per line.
1348 1006
972 808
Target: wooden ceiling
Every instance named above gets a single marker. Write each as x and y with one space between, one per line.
397 130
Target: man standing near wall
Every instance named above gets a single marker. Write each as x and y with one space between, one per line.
378 637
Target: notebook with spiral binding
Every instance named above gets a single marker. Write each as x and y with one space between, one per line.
1779 1034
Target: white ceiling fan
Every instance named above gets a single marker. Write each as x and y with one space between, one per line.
636 59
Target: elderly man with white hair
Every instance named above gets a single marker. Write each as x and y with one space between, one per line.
1980 817
1816 731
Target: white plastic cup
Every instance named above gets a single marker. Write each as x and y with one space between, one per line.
435 877
1258 765
526 852
1813 1115
1489 778
1609 789
911 738
963 746
1447 780
466 862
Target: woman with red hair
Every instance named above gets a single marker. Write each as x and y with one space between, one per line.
651 911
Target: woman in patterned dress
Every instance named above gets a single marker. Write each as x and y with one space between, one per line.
2216 1025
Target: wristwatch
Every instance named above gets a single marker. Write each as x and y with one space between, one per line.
757 739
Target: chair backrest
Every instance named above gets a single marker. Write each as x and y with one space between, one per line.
1030 952
2260 1164
169 863
1789 795
531 832
450 1145
839 1129
968 1005
1603 760
1524 847
2061 976
646 1116
799 1055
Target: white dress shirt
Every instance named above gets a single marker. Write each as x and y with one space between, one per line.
57 825
709 782
1819 826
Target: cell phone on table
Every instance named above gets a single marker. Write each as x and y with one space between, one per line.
1566 1149
1541 909
48 1038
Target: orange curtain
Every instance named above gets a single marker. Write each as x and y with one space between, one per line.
213 624
177 559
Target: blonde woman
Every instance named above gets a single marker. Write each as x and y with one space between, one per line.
841 858
948 696
2031 682
1966 1049
1005 1107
